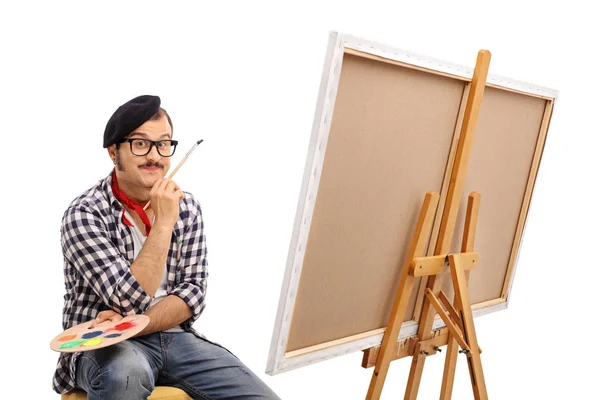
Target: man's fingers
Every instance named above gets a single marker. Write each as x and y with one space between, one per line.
116 318
160 185
105 316
155 187
179 194
165 185
96 321
170 187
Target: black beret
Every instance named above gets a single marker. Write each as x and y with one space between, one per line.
129 117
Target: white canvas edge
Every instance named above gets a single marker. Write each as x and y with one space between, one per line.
310 181
435 64
409 329
277 362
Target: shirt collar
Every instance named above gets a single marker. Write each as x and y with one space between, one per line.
110 195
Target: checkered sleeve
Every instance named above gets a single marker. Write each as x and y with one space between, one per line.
87 246
192 269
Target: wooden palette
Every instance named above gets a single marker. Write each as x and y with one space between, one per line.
82 338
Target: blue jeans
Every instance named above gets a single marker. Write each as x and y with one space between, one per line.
129 370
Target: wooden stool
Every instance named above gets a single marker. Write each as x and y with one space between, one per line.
159 393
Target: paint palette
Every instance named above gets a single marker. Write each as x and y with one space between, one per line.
83 338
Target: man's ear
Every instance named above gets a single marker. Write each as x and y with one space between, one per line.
112 153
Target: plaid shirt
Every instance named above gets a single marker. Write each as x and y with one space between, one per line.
98 250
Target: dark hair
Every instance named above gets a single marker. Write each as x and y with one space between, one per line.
158 115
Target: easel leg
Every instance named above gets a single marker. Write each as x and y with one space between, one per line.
473 357
467 246
425 325
449 369
403 294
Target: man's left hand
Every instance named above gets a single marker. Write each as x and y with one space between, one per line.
108 315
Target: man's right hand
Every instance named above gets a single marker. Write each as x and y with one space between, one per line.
164 199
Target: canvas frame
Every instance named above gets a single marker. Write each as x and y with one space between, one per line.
339 44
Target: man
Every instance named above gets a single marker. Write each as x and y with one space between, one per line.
121 260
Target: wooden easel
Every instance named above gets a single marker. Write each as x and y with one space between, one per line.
460 329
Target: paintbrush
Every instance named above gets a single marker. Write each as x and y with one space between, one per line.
180 164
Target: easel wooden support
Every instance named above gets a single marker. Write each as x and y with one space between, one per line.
460 329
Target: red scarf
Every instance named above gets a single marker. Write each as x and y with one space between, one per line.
126 201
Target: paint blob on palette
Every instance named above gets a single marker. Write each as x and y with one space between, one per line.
83 338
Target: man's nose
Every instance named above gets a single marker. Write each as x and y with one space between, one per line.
153 154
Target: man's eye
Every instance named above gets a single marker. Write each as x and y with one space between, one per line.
140 143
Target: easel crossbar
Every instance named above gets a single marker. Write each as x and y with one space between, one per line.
406 347
433 265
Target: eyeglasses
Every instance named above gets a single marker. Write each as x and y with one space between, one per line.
141 147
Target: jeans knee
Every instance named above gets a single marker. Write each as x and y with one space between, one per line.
121 379
127 376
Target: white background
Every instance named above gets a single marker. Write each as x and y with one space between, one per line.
245 77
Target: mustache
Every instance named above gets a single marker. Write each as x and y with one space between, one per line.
152 164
